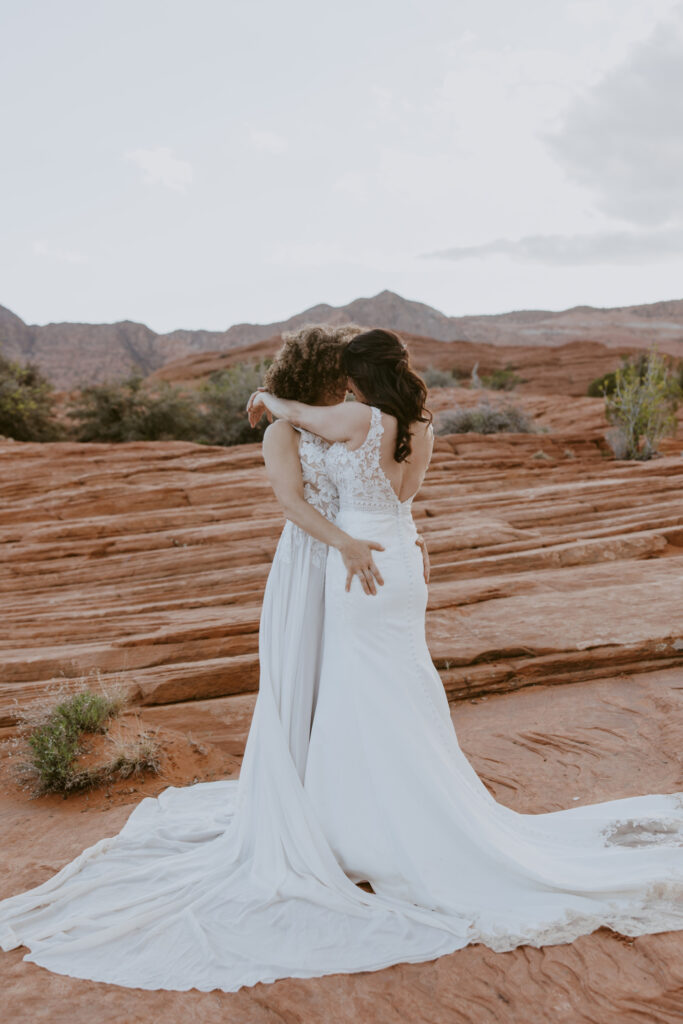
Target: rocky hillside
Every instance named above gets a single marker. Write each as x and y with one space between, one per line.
566 369
74 353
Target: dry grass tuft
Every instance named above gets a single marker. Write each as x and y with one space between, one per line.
52 735
129 757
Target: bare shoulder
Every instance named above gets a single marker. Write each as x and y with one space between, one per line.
279 436
421 428
357 413
422 434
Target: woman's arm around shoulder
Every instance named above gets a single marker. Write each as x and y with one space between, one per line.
347 421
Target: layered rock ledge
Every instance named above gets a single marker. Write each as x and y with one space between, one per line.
555 619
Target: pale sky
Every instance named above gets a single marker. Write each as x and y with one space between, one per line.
199 163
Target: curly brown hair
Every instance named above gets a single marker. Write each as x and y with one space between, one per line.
308 367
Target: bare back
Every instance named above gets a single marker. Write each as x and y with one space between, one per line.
406 477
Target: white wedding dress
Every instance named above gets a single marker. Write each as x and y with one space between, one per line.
224 884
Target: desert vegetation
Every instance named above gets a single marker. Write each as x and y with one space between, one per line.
437 378
641 399
52 736
26 403
485 418
131 409
502 379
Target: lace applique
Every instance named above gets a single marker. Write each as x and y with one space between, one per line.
359 478
659 909
320 492
634 832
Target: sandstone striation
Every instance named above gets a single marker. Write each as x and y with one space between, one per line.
555 619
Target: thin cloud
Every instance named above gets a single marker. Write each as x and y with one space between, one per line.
623 140
607 247
159 166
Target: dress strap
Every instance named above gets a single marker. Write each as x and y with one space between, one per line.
376 425
375 431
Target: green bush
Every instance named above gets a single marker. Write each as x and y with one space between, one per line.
502 379
26 403
485 419
642 407
134 410
131 410
55 741
606 384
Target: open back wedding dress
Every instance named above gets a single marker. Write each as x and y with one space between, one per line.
224 884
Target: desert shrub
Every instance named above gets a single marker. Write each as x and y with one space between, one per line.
642 407
131 410
26 403
53 732
605 385
504 379
436 378
485 419
223 398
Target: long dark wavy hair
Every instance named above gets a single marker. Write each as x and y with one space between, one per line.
378 363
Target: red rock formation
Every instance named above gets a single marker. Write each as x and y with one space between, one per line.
74 353
565 370
554 618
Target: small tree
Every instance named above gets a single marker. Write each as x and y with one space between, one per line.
641 408
26 403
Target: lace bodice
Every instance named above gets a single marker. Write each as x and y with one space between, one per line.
358 476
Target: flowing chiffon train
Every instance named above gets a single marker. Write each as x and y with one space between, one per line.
224 884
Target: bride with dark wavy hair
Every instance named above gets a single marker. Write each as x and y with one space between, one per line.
399 803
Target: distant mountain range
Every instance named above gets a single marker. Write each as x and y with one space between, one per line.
72 353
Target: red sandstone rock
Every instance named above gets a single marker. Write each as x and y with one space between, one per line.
555 620
539 749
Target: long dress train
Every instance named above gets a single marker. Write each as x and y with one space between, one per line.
400 803
224 884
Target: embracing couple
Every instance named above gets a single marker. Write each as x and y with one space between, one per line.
352 771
